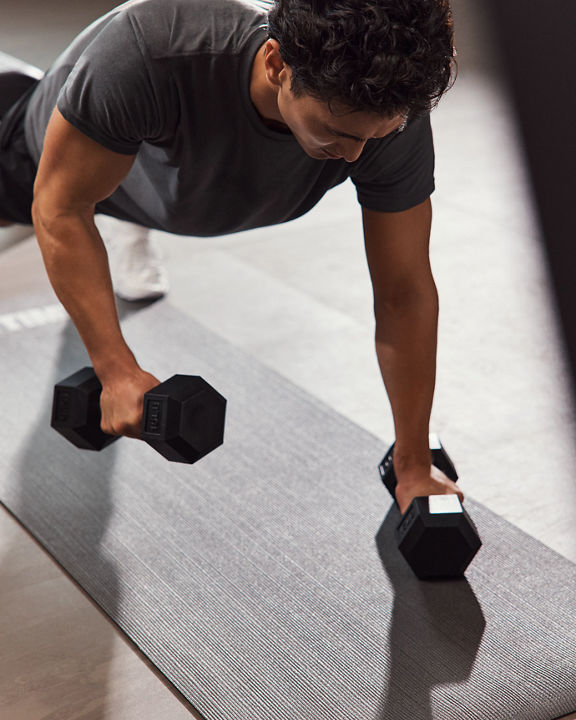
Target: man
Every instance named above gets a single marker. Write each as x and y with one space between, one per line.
206 117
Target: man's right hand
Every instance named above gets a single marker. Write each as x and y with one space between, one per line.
122 402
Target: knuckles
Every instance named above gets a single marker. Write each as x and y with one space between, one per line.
126 428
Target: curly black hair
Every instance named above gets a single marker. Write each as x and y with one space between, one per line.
385 56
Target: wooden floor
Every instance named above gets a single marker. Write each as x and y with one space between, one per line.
60 657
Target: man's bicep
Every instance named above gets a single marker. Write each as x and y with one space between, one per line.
397 250
75 172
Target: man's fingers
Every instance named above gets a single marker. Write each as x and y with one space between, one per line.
122 404
122 428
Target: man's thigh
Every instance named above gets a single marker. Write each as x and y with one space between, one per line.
17 172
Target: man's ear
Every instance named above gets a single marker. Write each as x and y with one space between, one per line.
274 66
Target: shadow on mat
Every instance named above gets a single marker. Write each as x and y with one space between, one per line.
435 633
71 524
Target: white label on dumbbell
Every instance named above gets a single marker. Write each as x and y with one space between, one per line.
443 504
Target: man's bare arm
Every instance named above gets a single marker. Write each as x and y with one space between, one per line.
406 312
74 174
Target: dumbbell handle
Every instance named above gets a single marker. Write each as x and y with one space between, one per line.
438 457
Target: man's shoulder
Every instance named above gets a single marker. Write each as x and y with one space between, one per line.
188 26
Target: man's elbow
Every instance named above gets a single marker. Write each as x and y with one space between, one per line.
420 298
51 214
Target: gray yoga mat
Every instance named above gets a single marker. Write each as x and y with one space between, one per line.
263 581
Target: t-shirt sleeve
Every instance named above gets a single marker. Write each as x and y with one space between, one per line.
397 173
111 95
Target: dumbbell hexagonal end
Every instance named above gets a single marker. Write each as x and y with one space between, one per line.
387 474
437 537
184 418
76 411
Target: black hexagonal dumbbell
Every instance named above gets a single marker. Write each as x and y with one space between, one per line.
183 418
436 535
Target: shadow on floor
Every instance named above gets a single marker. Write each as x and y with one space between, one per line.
435 633
64 658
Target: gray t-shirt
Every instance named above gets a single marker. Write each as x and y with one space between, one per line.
169 80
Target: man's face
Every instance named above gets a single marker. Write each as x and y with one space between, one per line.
331 134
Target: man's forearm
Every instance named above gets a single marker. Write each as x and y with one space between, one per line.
406 341
77 265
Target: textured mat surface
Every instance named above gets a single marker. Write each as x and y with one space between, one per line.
263 581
